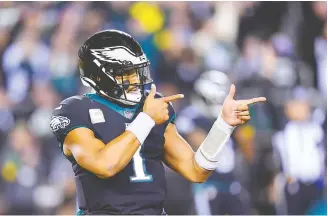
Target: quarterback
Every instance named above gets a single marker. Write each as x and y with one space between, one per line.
118 137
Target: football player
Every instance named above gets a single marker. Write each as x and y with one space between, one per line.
221 193
118 137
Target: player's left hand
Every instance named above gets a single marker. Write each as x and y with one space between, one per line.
235 112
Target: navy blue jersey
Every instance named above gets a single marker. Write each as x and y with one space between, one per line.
140 187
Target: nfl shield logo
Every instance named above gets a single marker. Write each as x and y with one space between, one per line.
128 114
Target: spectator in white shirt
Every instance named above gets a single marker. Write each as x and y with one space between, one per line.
300 149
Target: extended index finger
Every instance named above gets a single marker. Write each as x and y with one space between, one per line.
173 97
254 100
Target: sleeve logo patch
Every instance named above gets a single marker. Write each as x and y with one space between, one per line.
58 122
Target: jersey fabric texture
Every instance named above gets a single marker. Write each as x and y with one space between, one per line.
140 188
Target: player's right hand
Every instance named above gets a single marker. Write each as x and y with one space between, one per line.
157 108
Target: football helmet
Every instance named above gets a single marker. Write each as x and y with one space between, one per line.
107 58
210 91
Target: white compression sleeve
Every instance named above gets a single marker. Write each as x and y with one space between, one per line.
208 152
141 126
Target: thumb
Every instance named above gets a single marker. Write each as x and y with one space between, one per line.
232 91
152 91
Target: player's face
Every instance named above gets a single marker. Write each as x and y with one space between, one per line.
130 77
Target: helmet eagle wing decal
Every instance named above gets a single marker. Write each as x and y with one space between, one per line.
117 54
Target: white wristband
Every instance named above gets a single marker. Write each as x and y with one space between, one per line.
208 153
141 126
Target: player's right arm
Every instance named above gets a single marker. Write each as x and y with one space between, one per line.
106 160
93 155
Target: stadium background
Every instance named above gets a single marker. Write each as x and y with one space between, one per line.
266 48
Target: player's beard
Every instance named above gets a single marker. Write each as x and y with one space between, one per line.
131 98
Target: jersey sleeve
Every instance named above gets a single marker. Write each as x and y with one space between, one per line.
172 114
70 114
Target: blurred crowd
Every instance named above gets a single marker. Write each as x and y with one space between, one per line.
272 49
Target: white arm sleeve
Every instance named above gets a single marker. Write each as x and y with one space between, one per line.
207 155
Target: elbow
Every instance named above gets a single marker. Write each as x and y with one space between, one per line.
109 172
105 175
197 179
201 181
198 175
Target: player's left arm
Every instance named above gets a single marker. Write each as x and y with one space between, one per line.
197 166
180 157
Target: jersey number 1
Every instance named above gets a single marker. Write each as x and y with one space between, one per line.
140 173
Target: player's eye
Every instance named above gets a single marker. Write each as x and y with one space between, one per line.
130 72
